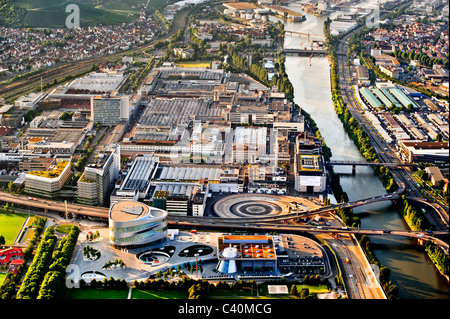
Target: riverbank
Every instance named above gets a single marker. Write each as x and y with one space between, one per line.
362 141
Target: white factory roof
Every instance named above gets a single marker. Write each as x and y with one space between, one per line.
180 173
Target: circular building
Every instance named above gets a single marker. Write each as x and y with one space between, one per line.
133 224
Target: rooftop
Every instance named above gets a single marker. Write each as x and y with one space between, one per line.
124 211
248 247
52 172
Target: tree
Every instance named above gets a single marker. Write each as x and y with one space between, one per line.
197 291
294 290
304 293
11 187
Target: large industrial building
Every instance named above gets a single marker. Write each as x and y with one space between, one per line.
310 172
133 224
111 110
135 184
246 253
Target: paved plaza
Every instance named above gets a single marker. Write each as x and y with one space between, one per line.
174 252
136 269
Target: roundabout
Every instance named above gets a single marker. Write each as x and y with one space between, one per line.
252 205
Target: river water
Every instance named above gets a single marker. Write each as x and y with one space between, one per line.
411 269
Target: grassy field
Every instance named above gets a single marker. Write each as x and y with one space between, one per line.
320 289
162 294
52 13
98 294
10 225
64 228
143 294
2 277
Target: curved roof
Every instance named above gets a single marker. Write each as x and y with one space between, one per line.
127 210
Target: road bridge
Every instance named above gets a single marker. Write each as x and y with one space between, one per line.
306 52
302 34
353 164
54 206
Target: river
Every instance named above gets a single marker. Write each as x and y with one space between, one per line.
411 269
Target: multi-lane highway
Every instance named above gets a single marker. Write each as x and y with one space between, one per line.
254 223
54 206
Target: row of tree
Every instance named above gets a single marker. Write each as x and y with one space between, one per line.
412 214
110 283
54 280
439 257
424 59
36 272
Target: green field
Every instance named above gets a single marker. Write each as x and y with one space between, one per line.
143 294
10 225
52 13
87 293
319 289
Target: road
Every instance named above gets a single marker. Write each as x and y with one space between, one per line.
217 222
360 278
57 206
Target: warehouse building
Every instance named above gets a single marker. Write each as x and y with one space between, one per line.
425 152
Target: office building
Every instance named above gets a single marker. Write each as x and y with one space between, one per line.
424 152
108 110
96 183
246 253
48 183
310 172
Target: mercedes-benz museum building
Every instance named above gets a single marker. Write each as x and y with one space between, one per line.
133 224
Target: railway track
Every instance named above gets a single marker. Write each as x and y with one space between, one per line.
11 91
15 89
